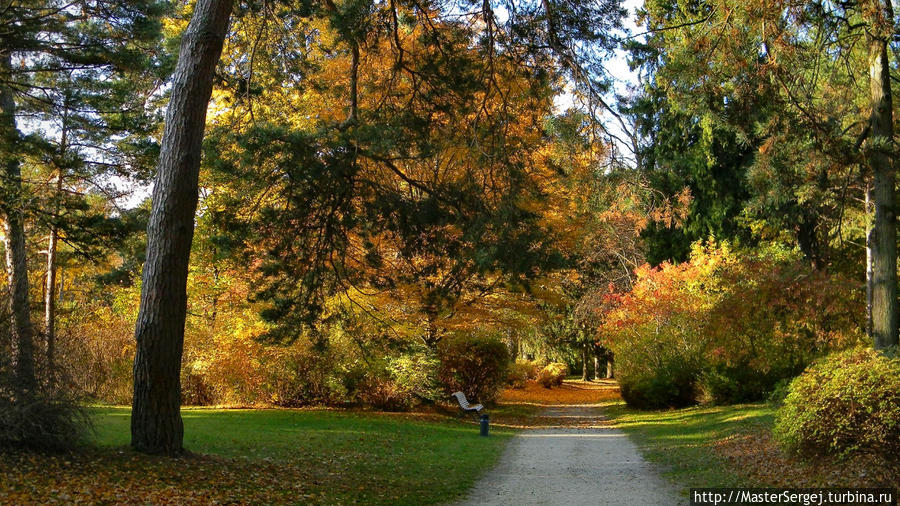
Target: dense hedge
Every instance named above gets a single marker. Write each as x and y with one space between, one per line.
553 374
726 326
476 365
520 372
845 403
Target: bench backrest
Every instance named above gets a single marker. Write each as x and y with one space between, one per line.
461 398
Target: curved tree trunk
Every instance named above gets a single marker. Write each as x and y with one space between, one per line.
879 154
156 425
14 233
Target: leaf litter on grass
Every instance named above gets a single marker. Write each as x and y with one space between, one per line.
756 456
327 457
123 477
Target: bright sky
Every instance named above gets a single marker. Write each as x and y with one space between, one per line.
617 66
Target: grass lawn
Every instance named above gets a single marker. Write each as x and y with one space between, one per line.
732 446
683 440
286 456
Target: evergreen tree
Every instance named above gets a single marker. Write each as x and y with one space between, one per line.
73 85
787 78
156 425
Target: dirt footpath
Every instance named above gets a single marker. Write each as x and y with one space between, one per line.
585 463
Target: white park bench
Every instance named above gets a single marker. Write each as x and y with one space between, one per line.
464 405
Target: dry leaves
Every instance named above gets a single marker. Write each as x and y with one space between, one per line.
571 392
573 404
757 457
121 477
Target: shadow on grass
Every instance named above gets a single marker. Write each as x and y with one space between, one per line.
691 423
574 404
266 456
683 440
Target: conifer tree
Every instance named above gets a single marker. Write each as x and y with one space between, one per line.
71 87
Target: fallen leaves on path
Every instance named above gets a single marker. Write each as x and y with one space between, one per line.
752 454
571 392
574 404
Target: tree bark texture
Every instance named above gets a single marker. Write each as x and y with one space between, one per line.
14 232
879 154
156 425
50 301
50 281
431 331
585 360
870 273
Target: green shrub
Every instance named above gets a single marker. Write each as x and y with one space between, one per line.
726 326
416 373
42 420
779 392
738 383
386 395
659 371
475 365
520 372
845 403
670 386
553 374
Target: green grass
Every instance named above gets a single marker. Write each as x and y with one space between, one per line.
366 457
512 411
681 440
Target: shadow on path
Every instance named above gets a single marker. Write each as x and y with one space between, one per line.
572 455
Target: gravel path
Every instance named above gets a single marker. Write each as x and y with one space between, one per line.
591 464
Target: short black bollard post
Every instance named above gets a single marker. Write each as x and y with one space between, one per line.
485 421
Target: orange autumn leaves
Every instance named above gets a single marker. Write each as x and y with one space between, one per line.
725 326
570 392
723 290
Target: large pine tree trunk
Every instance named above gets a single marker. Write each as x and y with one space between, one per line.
884 244
156 425
14 232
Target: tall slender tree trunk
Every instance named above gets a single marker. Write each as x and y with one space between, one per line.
50 281
596 367
870 273
50 290
215 299
156 425
585 361
14 232
879 154
610 374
